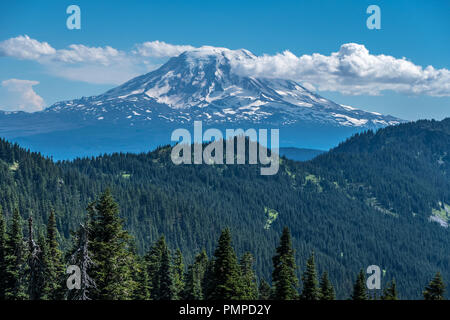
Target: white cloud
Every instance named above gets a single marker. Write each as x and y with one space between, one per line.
351 70
160 49
23 47
22 95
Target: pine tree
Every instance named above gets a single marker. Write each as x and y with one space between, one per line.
109 245
178 275
435 290
226 284
15 261
54 271
153 262
390 292
326 288
165 276
195 278
310 284
264 290
3 242
359 288
142 291
248 278
284 276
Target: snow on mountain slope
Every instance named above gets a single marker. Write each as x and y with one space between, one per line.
201 85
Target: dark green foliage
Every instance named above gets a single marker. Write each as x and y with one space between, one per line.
226 281
165 276
344 203
15 261
310 284
326 288
284 276
195 278
178 275
435 290
265 291
359 288
153 261
390 292
110 246
2 255
248 278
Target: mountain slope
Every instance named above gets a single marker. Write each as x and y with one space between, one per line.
368 201
197 85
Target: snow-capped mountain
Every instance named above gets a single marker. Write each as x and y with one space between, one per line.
201 85
197 85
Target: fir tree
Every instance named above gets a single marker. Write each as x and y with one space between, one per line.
153 262
54 271
195 277
435 290
264 290
142 291
165 276
248 278
284 276
110 245
359 288
226 284
15 261
178 275
2 255
326 288
310 283
390 292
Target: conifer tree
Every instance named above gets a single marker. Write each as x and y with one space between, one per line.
15 261
2 255
165 276
178 275
195 277
326 288
310 284
35 267
226 284
284 276
54 271
153 262
390 292
264 290
359 288
110 246
248 278
435 290
142 290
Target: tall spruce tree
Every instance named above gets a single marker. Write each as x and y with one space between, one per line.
178 275
284 278
310 284
359 288
195 277
15 261
435 290
248 278
110 246
54 271
225 281
326 288
153 262
2 255
165 276
390 292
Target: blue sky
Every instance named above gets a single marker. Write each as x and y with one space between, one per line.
415 30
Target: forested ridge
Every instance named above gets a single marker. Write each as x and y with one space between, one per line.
368 201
